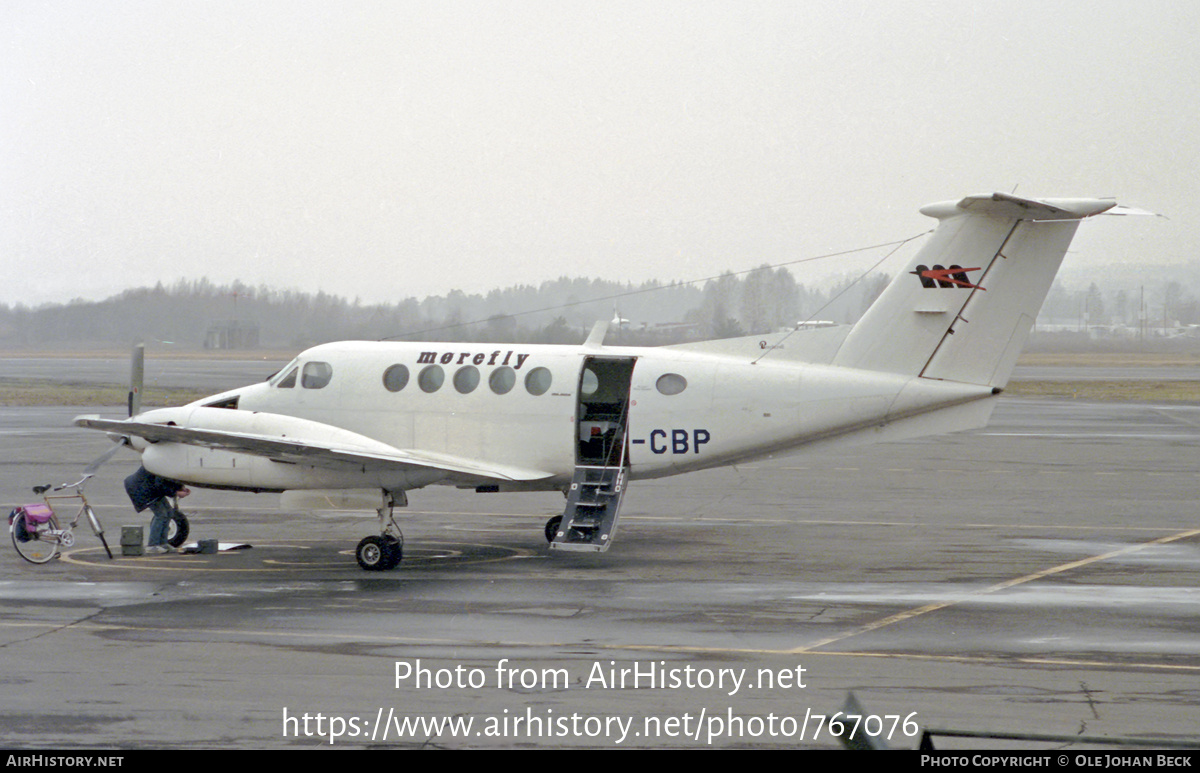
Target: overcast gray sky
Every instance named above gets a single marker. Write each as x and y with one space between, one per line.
392 149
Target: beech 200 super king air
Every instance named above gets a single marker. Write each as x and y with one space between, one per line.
930 356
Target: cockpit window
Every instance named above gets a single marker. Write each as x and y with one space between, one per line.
287 378
316 375
283 374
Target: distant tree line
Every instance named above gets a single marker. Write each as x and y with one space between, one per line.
557 311
1159 305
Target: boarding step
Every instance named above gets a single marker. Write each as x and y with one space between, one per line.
593 501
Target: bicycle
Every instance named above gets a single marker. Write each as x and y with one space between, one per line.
35 530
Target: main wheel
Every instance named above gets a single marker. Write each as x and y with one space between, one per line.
36 542
395 551
552 527
178 529
378 554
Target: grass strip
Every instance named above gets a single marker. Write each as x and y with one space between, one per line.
36 392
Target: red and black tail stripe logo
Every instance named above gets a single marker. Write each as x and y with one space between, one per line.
955 276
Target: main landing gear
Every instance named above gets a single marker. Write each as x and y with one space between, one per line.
552 527
378 554
383 552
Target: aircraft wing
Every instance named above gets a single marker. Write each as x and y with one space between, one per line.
341 450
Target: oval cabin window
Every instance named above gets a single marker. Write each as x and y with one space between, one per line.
431 378
671 383
537 381
502 380
395 378
466 379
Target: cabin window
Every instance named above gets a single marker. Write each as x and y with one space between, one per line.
590 382
466 379
671 383
395 378
316 375
502 380
431 378
537 381
288 380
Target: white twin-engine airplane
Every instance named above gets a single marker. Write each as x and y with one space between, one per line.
930 356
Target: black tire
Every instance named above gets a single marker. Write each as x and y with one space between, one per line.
372 554
395 552
178 529
552 527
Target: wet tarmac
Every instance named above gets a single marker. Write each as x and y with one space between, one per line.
1036 576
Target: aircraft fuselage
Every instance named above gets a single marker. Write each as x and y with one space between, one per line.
541 407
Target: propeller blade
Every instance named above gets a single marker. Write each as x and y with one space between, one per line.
137 369
104 457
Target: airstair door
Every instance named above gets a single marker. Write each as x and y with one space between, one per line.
601 458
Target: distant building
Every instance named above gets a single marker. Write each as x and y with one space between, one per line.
231 335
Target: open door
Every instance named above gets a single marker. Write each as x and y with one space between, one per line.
601 458
603 410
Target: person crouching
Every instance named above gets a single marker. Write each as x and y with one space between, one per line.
145 489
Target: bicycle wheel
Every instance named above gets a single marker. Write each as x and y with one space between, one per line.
97 529
36 542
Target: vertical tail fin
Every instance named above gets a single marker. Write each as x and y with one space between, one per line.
964 307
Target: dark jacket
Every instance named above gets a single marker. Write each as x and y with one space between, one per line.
145 487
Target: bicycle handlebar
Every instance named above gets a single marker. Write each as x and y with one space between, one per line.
76 485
